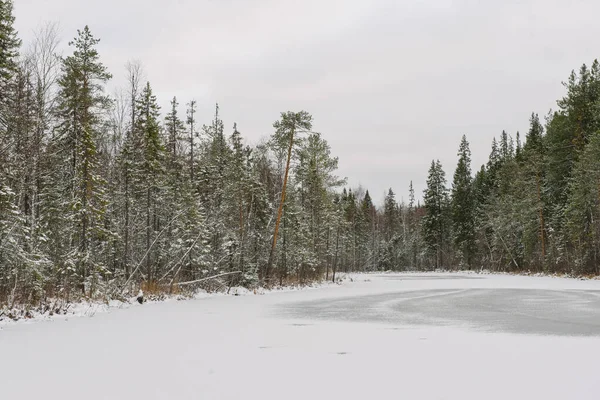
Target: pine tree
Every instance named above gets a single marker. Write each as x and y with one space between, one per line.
286 129
315 175
95 203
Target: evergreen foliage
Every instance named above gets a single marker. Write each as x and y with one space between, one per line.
100 195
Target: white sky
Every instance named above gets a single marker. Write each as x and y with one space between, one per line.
391 84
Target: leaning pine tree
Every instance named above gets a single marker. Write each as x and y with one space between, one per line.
285 130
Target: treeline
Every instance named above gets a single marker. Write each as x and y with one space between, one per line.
101 194
534 206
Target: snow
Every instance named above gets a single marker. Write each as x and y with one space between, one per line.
251 347
91 308
81 309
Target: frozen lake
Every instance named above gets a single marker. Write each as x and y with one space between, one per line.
432 336
516 310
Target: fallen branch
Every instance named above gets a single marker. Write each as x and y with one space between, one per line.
207 278
122 289
180 260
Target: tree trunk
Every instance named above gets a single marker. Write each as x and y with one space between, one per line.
191 121
280 211
539 193
148 264
327 257
337 245
126 236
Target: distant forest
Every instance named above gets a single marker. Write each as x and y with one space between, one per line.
101 195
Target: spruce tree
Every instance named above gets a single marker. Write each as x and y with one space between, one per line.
81 103
9 210
568 131
391 224
174 128
390 215
150 175
213 161
237 180
532 168
413 235
191 121
9 52
463 206
435 222
582 213
367 238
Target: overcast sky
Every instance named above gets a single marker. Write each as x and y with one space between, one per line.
390 84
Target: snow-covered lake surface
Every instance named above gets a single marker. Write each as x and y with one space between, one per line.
416 336
515 308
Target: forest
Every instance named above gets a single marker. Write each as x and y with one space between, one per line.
103 194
